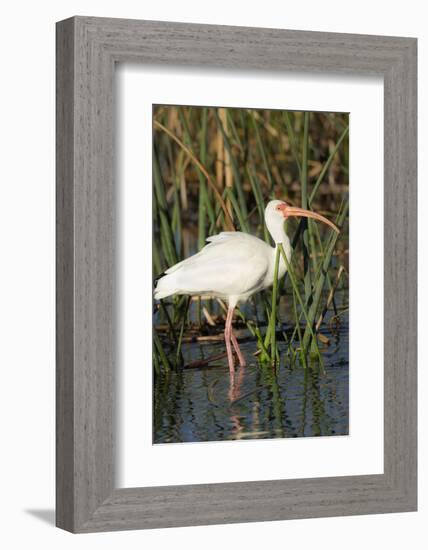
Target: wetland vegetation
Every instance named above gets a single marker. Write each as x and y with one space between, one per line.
215 169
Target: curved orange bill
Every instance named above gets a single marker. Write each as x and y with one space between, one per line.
294 211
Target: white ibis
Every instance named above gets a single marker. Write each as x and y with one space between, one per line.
233 266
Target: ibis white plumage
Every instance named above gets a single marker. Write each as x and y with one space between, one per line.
233 266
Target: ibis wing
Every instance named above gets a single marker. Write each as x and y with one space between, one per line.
216 246
227 268
234 236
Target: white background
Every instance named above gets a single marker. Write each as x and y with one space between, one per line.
138 88
27 286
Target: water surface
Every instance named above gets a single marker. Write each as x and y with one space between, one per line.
201 404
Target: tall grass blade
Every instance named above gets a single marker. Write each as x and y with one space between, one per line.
178 355
258 195
262 151
292 140
165 222
294 284
162 357
304 185
204 203
273 349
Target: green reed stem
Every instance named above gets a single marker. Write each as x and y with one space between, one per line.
239 213
273 350
162 355
304 182
293 141
234 131
255 331
258 195
262 151
168 320
167 235
176 215
178 354
293 281
156 363
203 198
299 332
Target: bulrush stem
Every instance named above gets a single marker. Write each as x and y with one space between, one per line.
299 299
306 226
161 354
203 199
178 354
273 350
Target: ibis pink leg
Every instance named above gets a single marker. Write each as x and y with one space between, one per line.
241 358
228 338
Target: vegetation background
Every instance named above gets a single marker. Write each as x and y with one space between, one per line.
215 169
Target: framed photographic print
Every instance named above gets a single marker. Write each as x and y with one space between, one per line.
236 274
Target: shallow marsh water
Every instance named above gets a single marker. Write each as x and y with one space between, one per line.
201 404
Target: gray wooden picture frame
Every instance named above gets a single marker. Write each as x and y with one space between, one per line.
87 51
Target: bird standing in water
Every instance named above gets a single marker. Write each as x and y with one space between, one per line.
235 265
